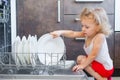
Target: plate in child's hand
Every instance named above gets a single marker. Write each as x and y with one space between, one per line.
50 50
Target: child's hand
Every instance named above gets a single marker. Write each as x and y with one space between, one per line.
77 68
56 33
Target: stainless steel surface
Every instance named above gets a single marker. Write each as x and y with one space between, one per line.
4 18
58 75
38 77
59 71
50 73
77 19
79 38
58 10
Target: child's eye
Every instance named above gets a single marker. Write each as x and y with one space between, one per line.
82 25
86 27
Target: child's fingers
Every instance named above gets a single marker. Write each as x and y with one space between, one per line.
54 35
77 68
74 68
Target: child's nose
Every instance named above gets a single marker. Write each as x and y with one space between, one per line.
83 29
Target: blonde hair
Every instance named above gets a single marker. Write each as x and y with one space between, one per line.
100 17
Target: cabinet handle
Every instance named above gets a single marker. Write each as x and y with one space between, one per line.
89 0
58 3
76 19
79 38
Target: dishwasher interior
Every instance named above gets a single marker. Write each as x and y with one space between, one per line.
54 70
28 65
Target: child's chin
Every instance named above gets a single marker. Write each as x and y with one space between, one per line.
86 35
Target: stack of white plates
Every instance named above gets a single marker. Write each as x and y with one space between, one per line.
50 50
24 50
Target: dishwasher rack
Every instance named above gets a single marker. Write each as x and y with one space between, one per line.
9 64
59 68
5 22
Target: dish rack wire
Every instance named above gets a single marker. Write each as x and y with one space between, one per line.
9 66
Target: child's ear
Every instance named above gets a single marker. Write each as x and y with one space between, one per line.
98 28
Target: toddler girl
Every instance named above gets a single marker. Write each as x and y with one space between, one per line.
95 29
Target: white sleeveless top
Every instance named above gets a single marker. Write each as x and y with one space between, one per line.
103 56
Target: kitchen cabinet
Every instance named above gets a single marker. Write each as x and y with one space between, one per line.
72 7
38 17
117 50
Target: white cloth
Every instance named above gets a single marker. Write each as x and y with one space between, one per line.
103 56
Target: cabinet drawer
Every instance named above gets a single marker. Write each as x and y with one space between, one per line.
117 50
72 7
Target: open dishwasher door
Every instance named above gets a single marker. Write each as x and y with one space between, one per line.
50 73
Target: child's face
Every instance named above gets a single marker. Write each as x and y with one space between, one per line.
89 27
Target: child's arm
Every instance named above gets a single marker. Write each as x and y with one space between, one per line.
95 50
67 33
97 43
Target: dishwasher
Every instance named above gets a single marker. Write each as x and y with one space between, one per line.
10 70
15 66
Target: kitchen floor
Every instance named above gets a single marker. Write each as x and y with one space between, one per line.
116 78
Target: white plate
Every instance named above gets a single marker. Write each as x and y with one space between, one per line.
20 54
24 41
27 58
26 52
32 50
14 47
15 50
50 50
